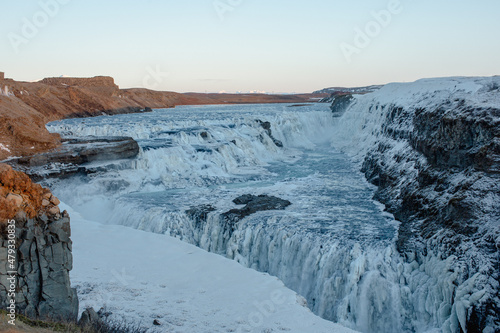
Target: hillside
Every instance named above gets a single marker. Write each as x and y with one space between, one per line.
26 107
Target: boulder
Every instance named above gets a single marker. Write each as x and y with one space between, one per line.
15 199
54 200
90 318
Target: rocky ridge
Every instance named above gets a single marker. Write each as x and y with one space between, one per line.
253 204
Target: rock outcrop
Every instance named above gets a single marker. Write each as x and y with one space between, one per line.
253 204
91 320
75 155
267 127
340 104
43 250
84 150
93 82
200 213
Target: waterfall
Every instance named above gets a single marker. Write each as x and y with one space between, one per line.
334 245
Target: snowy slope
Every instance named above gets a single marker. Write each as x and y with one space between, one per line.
140 276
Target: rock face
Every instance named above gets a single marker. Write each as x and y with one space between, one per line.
94 82
199 214
72 156
254 204
433 150
267 127
86 149
43 247
340 104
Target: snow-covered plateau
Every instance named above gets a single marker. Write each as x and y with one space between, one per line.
422 257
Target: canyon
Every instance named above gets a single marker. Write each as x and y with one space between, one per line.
429 148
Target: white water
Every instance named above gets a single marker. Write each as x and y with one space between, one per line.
333 245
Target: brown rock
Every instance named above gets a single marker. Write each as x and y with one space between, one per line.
45 202
54 200
54 210
16 199
18 183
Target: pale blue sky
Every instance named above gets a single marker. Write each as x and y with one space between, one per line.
244 45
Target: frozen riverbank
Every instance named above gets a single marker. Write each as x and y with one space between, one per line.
141 277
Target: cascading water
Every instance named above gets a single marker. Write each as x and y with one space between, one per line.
333 245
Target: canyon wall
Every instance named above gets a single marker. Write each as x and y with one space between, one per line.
42 250
433 149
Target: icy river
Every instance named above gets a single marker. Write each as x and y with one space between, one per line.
333 245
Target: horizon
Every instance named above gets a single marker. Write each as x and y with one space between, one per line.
237 46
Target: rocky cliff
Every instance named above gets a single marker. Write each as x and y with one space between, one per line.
433 149
43 250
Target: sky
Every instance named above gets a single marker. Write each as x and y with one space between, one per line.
279 46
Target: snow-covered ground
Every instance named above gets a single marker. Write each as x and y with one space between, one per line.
140 277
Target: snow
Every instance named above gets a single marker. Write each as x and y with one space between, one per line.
3 147
6 92
140 276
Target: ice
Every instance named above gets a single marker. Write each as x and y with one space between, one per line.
5 91
306 246
139 277
441 294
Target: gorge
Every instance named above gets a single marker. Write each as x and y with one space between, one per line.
427 259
